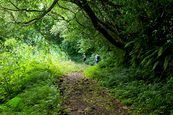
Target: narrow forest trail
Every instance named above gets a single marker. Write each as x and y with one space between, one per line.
85 97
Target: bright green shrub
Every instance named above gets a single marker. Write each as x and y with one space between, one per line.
22 66
91 71
27 78
10 44
41 98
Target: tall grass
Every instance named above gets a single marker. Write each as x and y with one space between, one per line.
27 77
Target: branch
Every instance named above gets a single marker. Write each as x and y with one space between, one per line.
42 15
99 11
12 16
21 9
79 22
54 13
66 8
39 31
13 4
85 15
94 36
73 13
115 27
97 26
18 9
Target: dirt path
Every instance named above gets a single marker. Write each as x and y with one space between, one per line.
85 97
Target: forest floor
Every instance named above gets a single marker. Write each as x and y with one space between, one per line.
84 96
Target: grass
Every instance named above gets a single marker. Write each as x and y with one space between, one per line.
135 89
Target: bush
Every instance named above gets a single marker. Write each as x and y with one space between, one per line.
41 98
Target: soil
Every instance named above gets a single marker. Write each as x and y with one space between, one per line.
83 96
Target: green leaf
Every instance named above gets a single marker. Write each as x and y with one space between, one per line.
149 62
128 44
148 58
166 62
144 61
147 53
160 51
155 65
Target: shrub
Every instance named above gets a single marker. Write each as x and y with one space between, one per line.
135 88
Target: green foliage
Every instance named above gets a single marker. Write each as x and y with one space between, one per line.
40 98
13 103
27 77
91 71
11 43
135 89
151 45
144 27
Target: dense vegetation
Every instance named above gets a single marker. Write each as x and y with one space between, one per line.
29 76
133 37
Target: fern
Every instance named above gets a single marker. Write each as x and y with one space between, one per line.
13 103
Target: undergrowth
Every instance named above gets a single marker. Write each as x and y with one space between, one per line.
135 88
28 78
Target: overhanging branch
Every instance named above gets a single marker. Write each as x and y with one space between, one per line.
4 8
42 15
97 25
13 4
65 8
18 9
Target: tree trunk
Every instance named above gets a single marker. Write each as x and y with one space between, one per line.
98 26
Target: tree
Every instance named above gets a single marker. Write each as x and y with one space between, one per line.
141 28
15 9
